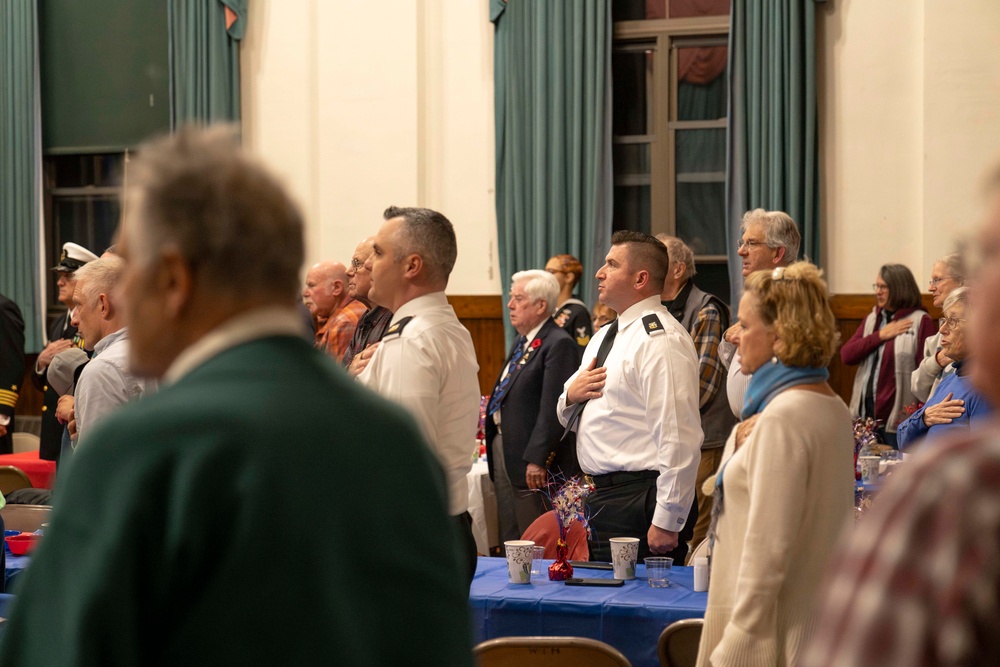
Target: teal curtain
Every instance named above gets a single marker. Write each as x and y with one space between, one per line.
773 133
552 81
205 59
20 165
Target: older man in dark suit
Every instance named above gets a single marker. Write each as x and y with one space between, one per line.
522 427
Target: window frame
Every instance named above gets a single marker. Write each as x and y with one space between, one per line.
668 35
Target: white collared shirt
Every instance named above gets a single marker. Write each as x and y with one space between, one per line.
430 369
647 417
530 336
106 383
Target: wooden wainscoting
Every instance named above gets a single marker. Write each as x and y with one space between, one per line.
484 316
850 311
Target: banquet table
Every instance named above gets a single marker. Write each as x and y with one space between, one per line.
40 472
629 618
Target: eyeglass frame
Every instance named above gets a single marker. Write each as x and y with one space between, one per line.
750 244
951 322
878 288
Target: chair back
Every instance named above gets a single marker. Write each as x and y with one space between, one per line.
544 532
12 479
699 551
678 644
26 442
26 518
547 652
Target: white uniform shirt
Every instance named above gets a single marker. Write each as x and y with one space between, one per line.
648 417
431 370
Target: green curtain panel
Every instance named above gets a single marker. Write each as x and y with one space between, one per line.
773 133
20 166
552 79
205 59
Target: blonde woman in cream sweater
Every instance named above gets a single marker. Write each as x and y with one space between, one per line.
788 491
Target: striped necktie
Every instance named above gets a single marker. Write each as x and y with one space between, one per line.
501 387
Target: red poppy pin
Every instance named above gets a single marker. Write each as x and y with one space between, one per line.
535 344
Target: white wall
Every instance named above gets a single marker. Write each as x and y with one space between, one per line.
361 104
908 97
358 105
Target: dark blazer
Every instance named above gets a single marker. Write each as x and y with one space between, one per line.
531 429
52 430
11 364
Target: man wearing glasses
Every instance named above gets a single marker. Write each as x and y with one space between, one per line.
376 319
768 239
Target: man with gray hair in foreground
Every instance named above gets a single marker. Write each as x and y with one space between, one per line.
218 521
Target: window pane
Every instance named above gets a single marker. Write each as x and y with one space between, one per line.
72 171
638 10
701 217
631 208
631 159
702 83
680 9
701 154
632 72
89 221
700 189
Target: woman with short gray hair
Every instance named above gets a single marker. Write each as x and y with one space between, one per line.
947 275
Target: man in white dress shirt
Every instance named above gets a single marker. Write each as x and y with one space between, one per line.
426 361
639 436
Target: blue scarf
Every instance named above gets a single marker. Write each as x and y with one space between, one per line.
773 378
767 382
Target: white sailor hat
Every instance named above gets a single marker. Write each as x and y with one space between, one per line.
73 257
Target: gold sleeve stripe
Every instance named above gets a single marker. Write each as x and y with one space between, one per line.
8 397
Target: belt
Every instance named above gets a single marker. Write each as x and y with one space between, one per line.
622 477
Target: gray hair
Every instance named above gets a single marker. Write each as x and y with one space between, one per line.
955 266
197 193
539 286
780 231
426 233
99 276
679 252
959 295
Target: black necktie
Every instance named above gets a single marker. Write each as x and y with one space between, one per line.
602 355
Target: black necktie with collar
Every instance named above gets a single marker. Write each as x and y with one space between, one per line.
602 356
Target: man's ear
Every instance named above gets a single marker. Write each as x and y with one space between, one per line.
175 281
413 266
641 279
779 257
338 287
104 306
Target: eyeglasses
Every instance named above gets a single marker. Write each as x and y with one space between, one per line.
935 281
357 263
749 244
555 271
951 322
879 288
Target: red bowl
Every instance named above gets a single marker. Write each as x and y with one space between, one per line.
23 543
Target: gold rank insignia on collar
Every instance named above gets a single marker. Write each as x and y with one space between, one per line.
652 324
396 329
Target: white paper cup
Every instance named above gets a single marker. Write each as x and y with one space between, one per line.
519 556
624 553
869 468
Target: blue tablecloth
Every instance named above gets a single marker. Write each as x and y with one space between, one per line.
629 618
15 566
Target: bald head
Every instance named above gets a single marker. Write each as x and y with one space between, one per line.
325 288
